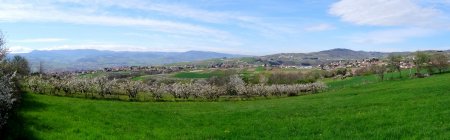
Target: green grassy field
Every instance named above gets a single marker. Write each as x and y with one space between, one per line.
397 109
190 75
334 84
99 74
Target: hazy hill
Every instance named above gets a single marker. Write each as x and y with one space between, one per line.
61 60
333 54
304 59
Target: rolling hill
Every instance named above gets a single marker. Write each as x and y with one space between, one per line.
315 58
302 59
67 60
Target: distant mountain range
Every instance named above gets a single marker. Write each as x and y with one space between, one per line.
333 54
322 56
303 59
68 60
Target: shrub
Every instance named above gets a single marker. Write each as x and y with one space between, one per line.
261 90
102 86
218 81
181 90
157 91
364 71
341 71
7 97
132 88
234 85
211 92
82 86
439 61
379 70
293 77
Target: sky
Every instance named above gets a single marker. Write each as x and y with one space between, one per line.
250 27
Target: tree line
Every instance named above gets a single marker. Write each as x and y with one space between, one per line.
425 64
11 71
102 87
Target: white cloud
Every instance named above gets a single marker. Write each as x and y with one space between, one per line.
205 29
40 40
320 27
390 36
107 46
19 49
93 11
177 10
387 13
168 39
397 20
45 12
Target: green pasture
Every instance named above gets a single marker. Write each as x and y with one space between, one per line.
395 109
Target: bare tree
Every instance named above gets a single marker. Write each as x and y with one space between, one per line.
421 60
379 70
394 63
3 50
439 61
20 65
211 92
82 86
41 67
157 91
234 85
102 85
132 88
180 90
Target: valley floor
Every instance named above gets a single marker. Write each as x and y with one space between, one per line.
411 109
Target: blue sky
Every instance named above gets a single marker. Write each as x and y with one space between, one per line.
252 27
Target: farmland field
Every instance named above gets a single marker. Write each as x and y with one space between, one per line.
408 108
189 75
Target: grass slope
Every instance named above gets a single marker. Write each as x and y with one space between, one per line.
191 75
411 109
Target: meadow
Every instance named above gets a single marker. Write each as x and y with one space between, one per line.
395 109
191 75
